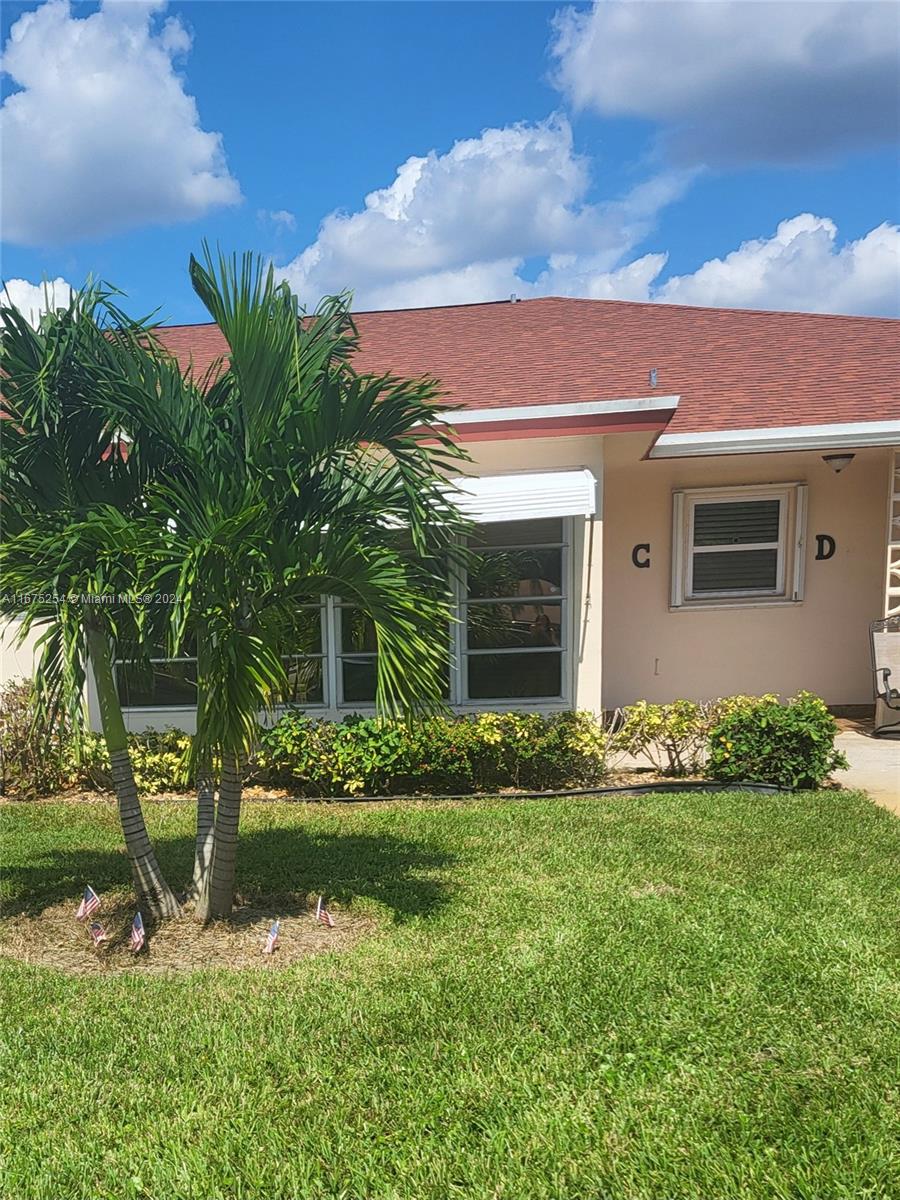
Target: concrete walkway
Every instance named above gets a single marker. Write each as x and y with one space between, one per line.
874 767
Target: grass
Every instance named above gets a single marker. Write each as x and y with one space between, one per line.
641 999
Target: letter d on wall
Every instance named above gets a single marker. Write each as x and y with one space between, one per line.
825 547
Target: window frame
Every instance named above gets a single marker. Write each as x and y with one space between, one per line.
335 608
790 546
462 652
150 708
324 656
332 656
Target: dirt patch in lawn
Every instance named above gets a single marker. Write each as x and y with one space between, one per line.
655 889
54 938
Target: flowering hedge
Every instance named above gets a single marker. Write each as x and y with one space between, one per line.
159 759
738 738
481 753
674 737
791 745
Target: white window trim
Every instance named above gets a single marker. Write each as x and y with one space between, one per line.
791 546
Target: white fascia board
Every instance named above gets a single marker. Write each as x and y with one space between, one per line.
526 495
544 412
847 435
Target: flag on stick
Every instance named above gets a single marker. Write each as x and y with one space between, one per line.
272 939
137 933
90 902
323 916
98 933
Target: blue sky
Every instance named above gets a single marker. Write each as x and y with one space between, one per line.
628 152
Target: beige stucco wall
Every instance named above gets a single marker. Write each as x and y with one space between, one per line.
820 643
16 659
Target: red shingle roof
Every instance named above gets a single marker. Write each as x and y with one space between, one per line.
733 368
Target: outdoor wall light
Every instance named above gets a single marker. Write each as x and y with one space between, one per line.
837 462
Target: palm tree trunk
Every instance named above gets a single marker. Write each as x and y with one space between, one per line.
149 883
218 893
206 818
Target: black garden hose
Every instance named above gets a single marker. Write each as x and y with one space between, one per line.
639 789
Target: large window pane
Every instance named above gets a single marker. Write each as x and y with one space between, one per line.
495 626
514 676
737 570
357 632
515 587
170 684
308 638
518 533
305 683
736 522
359 679
516 573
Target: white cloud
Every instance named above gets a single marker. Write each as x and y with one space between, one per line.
33 299
468 225
801 267
737 81
102 135
462 226
280 218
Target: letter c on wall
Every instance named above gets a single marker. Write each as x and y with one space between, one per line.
642 548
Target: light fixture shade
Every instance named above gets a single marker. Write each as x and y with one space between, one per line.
837 462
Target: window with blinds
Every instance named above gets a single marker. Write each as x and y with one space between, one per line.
738 544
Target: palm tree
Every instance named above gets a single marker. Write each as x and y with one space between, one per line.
289 476
66 481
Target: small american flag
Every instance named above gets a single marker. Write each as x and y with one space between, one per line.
272 939
90 902
323 916
137 933
98 933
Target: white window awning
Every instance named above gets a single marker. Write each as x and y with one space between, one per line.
527 495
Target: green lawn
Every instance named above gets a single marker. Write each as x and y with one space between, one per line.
655 998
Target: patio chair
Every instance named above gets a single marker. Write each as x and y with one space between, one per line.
885 639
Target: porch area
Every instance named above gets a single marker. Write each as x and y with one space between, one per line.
874 762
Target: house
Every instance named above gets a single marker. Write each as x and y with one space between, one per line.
687 502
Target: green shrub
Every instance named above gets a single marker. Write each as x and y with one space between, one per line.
674 737
487 752
790 745
158 758
671 736
35 760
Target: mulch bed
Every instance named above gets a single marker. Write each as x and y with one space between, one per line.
53 938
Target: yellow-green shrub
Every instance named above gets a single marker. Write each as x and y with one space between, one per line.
791 745
158 758
674 737
486 752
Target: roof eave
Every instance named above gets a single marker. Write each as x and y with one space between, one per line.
845 435
635 414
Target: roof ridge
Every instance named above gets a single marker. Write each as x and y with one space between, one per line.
592 300
717 308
